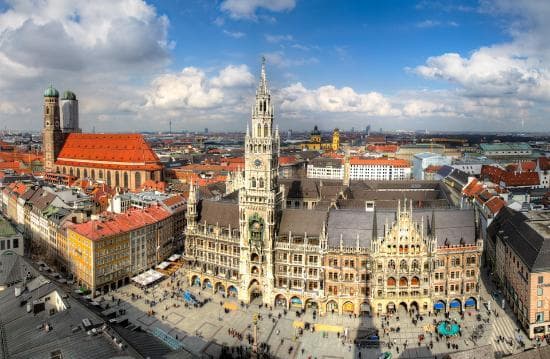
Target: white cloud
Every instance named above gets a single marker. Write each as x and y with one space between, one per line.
246 9
280 59
234 76
435 23
278 38
234 34
192 89
332 99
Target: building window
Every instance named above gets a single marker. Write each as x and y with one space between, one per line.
125 179
540 317
16 243
539 291
541 279
539 303
138 179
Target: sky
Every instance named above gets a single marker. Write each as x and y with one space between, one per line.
138 65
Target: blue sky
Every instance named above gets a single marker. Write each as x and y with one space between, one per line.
136 65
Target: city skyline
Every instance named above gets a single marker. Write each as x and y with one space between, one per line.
135 66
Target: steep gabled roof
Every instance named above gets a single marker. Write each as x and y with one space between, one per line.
93 150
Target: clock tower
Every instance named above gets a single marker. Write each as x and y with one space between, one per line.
259 200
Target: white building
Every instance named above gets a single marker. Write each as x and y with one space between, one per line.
325 168
423 160
379 169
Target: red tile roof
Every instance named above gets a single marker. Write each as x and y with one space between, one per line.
383 148
510 179
495 204
378 162
120 223
122 151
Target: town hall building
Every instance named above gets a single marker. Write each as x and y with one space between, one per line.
358 259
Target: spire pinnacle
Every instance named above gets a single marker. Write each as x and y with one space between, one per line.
262 87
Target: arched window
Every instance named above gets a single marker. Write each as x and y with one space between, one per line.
414 265
265 130
259 132
391 282
117 179
93 173
71 171
64 170
125 179
138 179
261 182
85 173
403 282
78 172
391 264
108 178
403 265
253 182
100 174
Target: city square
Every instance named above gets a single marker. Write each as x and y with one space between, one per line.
223 324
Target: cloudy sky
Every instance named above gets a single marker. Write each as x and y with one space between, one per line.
136 65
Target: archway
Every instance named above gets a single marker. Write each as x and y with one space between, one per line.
455 305
415 282
295 303
403 282
365 308
254 257
470 303
311 305
348 308
414 307
440 306
332 306
255 270
403 306
391 282
390 308
219 288
280 301
232 291
207 284
254 290
195 280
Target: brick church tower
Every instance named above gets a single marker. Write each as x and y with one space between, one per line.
52 137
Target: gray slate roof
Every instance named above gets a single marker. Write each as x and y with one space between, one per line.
301 221
451 225
528 234
222 213
25 340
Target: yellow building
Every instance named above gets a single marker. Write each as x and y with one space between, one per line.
103 254
315 141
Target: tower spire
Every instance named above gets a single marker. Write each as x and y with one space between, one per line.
262 87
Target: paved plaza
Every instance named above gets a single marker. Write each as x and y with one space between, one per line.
204 331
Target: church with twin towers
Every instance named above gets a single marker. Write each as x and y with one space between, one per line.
341 254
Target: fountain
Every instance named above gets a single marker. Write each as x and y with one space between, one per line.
447 328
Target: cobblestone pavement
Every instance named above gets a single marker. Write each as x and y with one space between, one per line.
206 329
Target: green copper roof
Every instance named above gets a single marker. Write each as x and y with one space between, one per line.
69 95
51 92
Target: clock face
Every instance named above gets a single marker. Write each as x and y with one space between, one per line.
257 162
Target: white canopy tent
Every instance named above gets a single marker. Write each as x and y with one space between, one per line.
147 278
174 257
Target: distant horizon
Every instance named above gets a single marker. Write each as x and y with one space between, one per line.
454 65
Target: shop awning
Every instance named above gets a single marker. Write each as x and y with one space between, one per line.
470 302
455 304
439 306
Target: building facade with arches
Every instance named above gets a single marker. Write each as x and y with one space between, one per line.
354 261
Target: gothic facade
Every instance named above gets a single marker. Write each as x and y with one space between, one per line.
249 246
